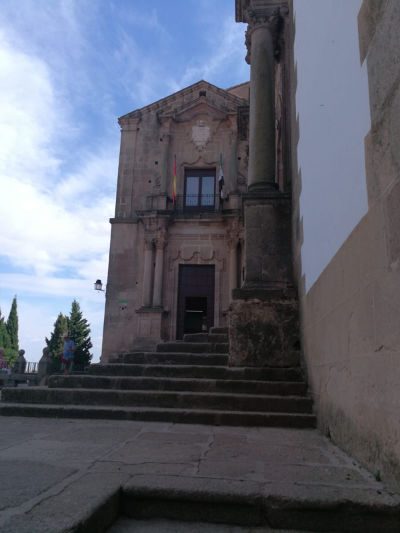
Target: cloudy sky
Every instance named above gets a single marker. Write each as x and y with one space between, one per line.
68 69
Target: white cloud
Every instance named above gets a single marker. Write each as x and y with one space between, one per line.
55 202
27 116
61 83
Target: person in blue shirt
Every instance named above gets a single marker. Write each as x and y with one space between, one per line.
68 354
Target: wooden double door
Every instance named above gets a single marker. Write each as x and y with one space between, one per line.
196 295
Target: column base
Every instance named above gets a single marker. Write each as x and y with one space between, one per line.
264 328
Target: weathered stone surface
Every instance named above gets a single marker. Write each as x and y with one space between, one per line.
89 504
267 235
22 487
125 525
274 477
264 333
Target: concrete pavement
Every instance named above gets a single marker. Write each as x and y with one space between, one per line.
66 475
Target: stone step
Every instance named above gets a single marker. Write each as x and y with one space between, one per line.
219 329
173 358
178 416
186 384
193 347
198 371
273 507
159 399
206 337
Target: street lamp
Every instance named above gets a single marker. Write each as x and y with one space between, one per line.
98 286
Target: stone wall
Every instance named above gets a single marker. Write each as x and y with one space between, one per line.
351 315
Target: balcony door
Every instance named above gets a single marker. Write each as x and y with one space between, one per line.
199 189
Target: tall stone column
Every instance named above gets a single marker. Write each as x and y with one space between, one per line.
263 316
260 39
147 271
266 209
158 271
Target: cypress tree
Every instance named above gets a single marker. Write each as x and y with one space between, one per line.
56 341
10 354
5 341
79 331
12 325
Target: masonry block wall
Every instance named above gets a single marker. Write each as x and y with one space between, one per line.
351 313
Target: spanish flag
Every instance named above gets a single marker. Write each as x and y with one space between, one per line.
174 182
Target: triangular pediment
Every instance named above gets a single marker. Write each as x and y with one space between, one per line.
196 108
201 97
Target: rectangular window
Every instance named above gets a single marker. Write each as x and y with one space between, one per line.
200 189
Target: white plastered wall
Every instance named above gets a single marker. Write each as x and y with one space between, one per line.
333 106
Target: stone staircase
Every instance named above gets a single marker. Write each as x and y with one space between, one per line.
185 381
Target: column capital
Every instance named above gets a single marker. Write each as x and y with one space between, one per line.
233 238
161 239
148 242
160 243
268 18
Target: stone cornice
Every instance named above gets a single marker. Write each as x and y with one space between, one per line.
120 220
219 113
242 7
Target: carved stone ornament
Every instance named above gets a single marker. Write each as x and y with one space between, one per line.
149 242
234 233
161 239
201 134
270 19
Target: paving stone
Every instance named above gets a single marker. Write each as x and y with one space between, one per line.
21 479
147 468
88 505
233 475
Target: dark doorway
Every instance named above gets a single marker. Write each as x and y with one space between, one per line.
195 299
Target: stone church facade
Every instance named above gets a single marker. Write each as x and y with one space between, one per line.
176 248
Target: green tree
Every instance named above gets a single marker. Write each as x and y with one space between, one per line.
79 331
56 341
5 341
12 325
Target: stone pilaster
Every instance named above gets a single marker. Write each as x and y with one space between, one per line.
233 259
165 161
148 271
159 269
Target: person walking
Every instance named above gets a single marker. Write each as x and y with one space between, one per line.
68 354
